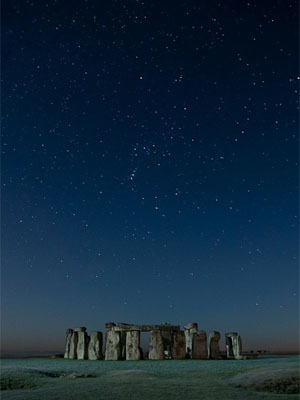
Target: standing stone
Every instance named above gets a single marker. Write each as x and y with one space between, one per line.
179 346
113 349
233 345
213 345
189 331
82 344
73 345
95 346
237 348
199 345
68 343
156 347
133 351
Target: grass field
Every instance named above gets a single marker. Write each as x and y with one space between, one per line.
45 379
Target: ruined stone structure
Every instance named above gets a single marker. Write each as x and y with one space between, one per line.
233 345
122 342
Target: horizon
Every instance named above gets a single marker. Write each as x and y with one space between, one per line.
262 345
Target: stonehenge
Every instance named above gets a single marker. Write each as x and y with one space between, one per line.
123 342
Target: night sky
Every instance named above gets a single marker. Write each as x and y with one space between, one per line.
149 168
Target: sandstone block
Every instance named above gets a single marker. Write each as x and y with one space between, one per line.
179 347
199 345
133 351
156 347
82 329
189 331
113 350
73 345
213 345
95 346
82 345
233 345
191 325
68 343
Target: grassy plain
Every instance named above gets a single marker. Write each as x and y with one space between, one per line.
56 379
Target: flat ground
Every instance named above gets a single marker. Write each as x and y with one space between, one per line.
45 378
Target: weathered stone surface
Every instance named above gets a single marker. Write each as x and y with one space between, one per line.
213 345
95 346
142 328
73 345
82 345
156 347
233 345
189 331
133 351
81 329
178 348
166 341
68 343
200 345
113 349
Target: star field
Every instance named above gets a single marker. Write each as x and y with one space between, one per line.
150 167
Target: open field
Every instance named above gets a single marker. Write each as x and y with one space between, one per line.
45 378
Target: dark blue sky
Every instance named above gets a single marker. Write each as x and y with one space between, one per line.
149 168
